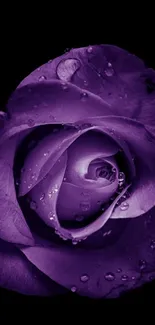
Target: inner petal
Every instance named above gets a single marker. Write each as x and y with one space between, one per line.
82 164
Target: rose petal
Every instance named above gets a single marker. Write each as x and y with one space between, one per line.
46 192
74 201
105 272
82 152
13 227
50 103
17 273
43 157
110 72
141 197
142 145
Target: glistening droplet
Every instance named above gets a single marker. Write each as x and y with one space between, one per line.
42 197
142 264
73 289
85 206
124 277
109 276
124 206
84 278
152 245
33 205
79 218
89 49
42 78
67 68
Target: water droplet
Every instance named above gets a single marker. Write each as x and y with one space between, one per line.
42 197
119 270
42 78
89 49
133 278
73 289
55 189
124 206
64 86
17 182
152 245
79 218
84 278
74 242
50 194
67 68
51 216
85 206
46 154
85 83
33 205
64 179
33 176
114 170
84 96
142 264
106 233
121 177
109 64
109 71
124 277
29 186
109 276
30 122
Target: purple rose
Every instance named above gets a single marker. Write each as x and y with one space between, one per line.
77 187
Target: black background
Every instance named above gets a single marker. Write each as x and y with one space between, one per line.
24 48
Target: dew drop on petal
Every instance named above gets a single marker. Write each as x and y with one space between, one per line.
73 289
29 186
109 276
119 270
121 177
124 206
85 206
84 96
142 264
42 197
89 49
133 278
67 68
74 242
109 71
124 277
84 278
152 245
33 205
79 218
51 216
42 78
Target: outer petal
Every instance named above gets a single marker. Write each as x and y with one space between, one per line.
105 272
17 273
50 103
13 227
112 73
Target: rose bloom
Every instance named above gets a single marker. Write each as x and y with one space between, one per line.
77 176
